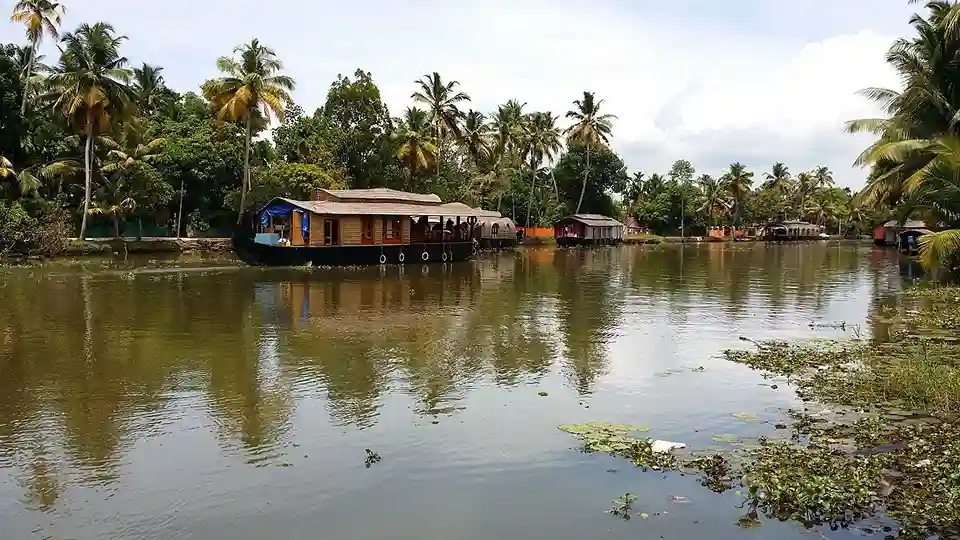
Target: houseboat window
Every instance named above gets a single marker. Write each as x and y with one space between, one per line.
367 228
392 228
331 232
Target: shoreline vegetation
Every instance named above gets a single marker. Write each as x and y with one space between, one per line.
879 435
97 145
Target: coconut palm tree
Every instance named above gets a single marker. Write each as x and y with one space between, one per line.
541 143
253 88
443 104
926 108
778 176
415 143
738 181
151 89
475 137
26 181
90 87
589 128
823 177
136 147
715 204
507 127
806 183
41 17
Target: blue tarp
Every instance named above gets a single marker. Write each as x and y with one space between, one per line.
304 224
280 208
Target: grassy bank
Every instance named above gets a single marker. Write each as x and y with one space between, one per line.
889 442
107 247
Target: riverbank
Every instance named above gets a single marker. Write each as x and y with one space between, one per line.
879 436
113 246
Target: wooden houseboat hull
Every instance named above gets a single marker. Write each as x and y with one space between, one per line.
497 243
569 241
256 254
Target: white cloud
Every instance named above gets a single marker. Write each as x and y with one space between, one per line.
685 81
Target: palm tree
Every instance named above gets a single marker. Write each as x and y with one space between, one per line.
589 128
151 89
806 183
90 87
136 148
541 143
475 140
252 88
442 101
738 181
507 126
778 176
415 144
26 180
715 204
41 17
926 109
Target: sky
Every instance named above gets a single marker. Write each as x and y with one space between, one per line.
755 81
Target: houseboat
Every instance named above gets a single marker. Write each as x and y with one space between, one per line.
496 232
358 227
907 241
887 234
787 231
588 230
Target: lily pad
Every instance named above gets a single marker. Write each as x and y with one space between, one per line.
746 417
726 438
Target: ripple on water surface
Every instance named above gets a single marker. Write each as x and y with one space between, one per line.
240 403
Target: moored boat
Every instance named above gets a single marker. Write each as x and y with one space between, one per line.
358 227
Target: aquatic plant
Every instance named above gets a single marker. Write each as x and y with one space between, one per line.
623 506
618 440
372 457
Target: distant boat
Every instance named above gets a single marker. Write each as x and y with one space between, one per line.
792 231
359 227
588 230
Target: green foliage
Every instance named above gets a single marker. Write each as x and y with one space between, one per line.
362 126
291 180
617 439
607 174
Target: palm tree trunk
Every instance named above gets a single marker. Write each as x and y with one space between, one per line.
533 182
246 173
26 81
556 190
439 149
88 184
583 190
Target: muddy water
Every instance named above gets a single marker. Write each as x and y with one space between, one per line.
220 402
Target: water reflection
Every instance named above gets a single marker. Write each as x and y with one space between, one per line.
106 379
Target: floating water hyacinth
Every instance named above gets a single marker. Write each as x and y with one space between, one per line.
618 440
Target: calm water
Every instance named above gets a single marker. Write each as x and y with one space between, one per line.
237 403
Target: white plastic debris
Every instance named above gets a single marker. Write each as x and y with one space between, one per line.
666 446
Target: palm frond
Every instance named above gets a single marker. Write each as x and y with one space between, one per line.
939 249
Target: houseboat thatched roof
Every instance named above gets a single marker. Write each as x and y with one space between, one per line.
593 220
380 195
909 224
917 231
379 208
